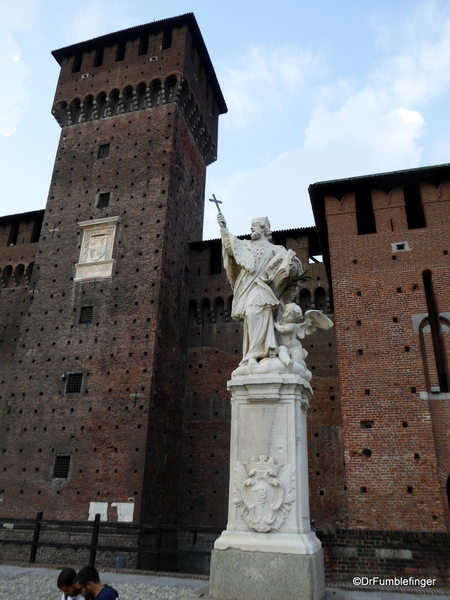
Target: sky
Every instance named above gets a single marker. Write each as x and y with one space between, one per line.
315 91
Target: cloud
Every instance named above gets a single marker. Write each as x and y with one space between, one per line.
376 124
269 80
14 94
416 65
370 118
96 18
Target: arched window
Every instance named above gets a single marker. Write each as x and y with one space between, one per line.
141 94
320 299
170 89
206 310
88 108
75 111
155 93
219 309
114 102
19 275
128 98
101 105
305 299
8 279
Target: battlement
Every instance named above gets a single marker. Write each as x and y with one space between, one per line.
142 68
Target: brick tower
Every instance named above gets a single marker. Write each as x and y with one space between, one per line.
385 242
91 405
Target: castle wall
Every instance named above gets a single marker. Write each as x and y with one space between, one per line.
395 417
94 420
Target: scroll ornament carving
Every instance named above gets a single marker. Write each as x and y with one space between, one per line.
264 493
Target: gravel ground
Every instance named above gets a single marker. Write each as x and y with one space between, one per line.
21 586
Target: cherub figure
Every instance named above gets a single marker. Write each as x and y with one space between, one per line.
293 327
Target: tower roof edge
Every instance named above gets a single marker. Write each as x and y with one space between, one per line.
148 28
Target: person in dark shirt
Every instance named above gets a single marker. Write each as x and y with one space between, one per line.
88 584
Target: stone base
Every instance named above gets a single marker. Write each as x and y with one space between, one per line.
240 575
276 543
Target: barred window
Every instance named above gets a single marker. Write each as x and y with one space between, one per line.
74 381
103 199
103 151
61 468
86 314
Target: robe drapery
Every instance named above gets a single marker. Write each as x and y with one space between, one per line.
258 271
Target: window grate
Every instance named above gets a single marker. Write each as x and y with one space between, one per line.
86 314
61 468
103 151
74 381
103 200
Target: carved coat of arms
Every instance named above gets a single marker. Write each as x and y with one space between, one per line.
264 492
97 246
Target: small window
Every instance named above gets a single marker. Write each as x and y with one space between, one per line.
103 199
167 39
86 315
400 247
74 381
98 59
76 66
103 151
143 45
61 468
120 54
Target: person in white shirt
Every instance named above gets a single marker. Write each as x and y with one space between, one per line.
65 584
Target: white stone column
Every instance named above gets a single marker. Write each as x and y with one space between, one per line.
268 551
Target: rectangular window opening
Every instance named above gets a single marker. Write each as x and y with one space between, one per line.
167 39
413 206
103 199
74 382
61 468
103 151
120 55
143 45
98 60
365 217
86 315
76 67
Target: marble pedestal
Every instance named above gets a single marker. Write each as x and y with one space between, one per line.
268 551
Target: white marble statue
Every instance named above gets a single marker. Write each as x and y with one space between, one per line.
293 327
258 272
265 278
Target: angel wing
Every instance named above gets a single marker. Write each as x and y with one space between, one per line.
315 319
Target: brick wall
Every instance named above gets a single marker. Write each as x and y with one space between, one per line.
386 554
395 427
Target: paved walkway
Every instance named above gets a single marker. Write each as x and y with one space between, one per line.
39 583
33 583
